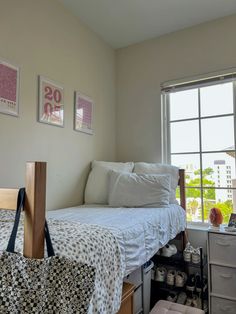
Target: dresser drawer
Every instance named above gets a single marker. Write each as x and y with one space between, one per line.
222 306
222 248
223 280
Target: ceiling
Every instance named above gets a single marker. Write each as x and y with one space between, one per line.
125 22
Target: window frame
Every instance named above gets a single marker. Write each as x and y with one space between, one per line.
166 123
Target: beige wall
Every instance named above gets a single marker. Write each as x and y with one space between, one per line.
43 38
141 68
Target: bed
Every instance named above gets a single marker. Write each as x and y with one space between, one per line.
141 232
138 231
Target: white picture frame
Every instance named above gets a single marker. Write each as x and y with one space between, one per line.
51 102
9 88
83 113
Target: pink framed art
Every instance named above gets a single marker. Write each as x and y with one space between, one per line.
9 88
51 102
83 114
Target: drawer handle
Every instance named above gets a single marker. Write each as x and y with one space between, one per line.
225 308
226 276
222 243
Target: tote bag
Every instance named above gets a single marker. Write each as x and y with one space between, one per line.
51 285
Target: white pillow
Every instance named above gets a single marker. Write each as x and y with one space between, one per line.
96 191
138 190
156 168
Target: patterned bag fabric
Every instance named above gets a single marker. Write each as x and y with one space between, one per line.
50 285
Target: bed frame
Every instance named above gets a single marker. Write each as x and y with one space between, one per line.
35 185
35 206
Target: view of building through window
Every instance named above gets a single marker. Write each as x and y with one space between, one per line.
201 140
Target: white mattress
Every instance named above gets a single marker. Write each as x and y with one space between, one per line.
141 232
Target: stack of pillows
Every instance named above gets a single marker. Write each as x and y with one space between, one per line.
131 184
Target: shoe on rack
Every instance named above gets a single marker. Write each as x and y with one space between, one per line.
170 279
160 274
201 285
188 252
189 301
182 297
172 296
205 306
196 258
198 283
168 250
205 284
180 279
190 285
196 302
173 248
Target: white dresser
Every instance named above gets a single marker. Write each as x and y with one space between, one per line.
222 272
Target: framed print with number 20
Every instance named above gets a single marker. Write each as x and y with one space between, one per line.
51 102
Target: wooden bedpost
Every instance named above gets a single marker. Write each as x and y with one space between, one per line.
182 202
35 209
182 188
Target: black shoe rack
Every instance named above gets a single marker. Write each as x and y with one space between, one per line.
160 290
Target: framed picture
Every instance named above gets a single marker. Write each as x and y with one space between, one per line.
51 102
9 88
232 221
83 114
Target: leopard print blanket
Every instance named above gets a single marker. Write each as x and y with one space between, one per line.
90 244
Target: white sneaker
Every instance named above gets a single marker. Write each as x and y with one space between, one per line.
188 252
180 279
160 274
171 277
169 250
196 256
173 248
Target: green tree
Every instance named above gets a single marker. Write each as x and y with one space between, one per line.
192 207
205 172
196 193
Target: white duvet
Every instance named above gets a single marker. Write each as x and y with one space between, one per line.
141 232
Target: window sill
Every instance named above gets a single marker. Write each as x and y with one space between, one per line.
198 226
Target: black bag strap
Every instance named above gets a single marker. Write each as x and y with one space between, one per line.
12 240
20 205
50 249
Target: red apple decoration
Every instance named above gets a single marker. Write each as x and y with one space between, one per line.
216 217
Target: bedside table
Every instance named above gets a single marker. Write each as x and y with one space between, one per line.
222 271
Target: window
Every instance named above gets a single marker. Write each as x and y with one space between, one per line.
198 135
